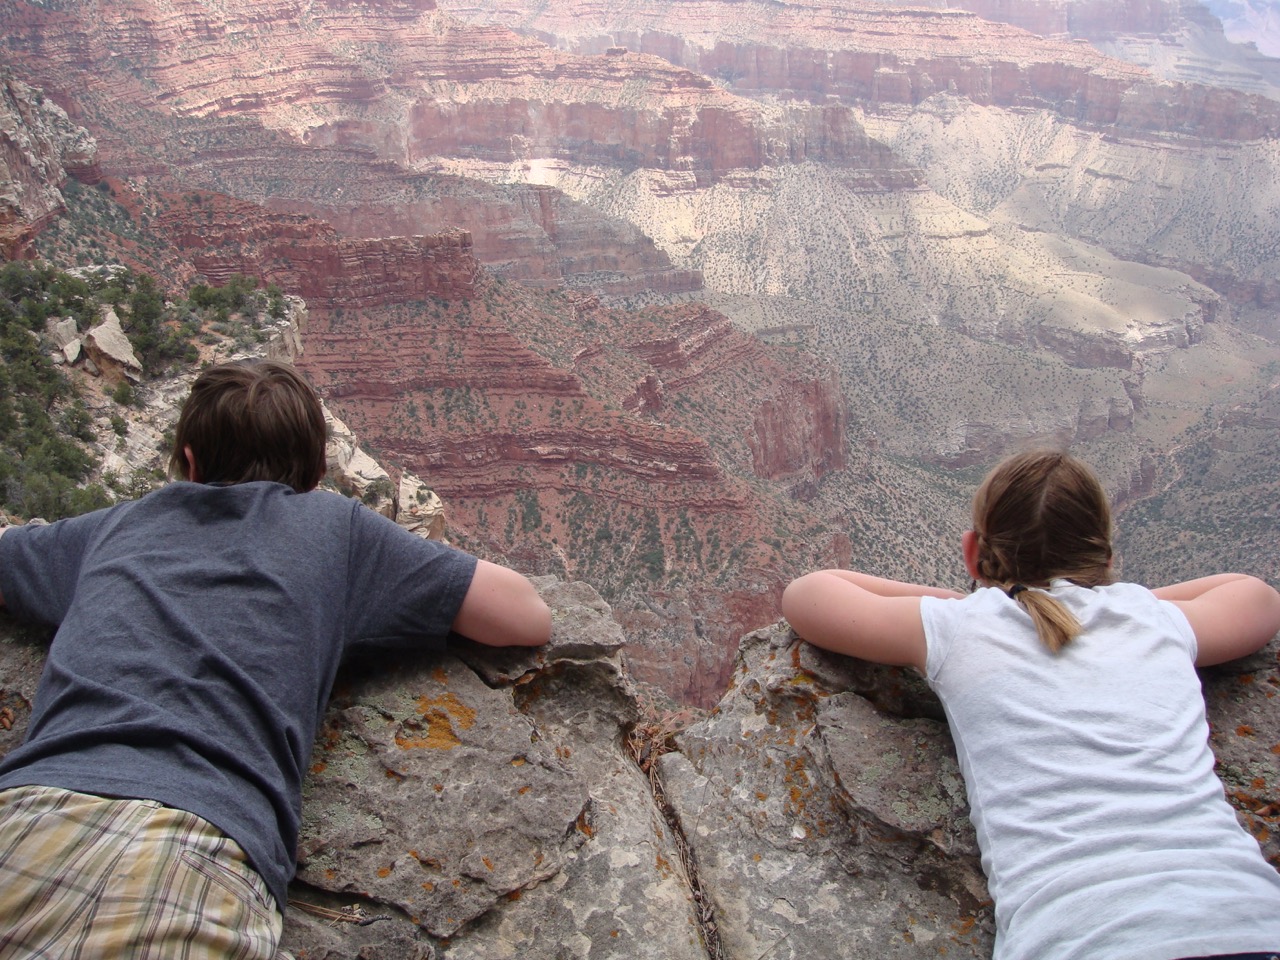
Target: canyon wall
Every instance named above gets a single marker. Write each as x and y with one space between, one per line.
39 148
964 237
885 57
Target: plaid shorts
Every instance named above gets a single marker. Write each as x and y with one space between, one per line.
91 878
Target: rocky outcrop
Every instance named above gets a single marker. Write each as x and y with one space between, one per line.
310 259
109 350
799 435
572 437
39 148
1094 19
496 803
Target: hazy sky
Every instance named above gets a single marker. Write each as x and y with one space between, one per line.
1250 20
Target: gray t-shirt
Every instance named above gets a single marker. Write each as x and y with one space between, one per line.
199 631
1104 831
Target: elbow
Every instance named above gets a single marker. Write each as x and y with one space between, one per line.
535 629
797 603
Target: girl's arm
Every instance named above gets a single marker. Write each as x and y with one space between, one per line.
1231 614
892 588
860 615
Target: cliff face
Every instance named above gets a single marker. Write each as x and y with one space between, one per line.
39 148
307 256
622 449
884 57
483 803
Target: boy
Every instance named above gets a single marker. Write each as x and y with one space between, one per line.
153 808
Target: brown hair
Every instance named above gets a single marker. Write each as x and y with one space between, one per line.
252 421
1039 516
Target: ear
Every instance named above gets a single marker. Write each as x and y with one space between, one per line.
193 472
969 549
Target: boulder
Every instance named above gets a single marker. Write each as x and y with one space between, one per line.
110 351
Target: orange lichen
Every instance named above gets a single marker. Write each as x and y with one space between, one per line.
318 766
488 864
440 676
523 790
519 762
1244 730
428 886
584 826
384 871
441 713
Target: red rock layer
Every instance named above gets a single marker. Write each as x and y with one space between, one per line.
224 237
887 56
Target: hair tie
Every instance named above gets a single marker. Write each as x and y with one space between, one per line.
1013 591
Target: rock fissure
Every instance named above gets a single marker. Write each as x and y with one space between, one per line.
645 747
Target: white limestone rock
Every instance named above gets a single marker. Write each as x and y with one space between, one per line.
109 349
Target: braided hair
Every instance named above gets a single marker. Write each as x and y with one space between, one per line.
1039 516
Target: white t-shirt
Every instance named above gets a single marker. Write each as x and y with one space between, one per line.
1104 831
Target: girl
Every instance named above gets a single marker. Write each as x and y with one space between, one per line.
1078 722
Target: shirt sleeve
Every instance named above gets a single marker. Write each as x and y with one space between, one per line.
1181 626
937 635
40 566
403 588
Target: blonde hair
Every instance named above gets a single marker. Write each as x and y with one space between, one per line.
1040 516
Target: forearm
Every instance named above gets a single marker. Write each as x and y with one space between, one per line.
883 587
1191 589
839 614
1232 615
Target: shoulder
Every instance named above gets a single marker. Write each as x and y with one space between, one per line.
946 622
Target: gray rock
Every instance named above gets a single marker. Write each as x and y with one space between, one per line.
487 803
815 819
109 349
487 797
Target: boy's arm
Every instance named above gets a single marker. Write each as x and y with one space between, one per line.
502 609
1231 614
833 610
